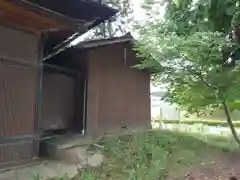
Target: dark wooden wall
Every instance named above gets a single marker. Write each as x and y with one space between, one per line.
118 95
62 93
19 58
57 101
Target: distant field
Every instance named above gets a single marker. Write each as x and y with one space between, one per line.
220 123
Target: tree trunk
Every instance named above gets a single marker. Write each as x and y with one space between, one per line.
230 123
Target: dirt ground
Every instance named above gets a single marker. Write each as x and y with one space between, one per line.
220 167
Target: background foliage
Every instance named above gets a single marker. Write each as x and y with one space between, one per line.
118 25
193 50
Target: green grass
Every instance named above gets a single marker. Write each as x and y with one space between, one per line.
220 123
153 155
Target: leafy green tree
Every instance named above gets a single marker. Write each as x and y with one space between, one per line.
189 51
118 25
189 16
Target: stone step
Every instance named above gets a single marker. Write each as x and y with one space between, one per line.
68 141
46 170
60 156
70 150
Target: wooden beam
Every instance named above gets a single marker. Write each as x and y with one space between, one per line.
61 69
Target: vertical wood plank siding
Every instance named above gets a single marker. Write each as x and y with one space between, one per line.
18 75
118 95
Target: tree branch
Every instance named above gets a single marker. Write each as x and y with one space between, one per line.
200 76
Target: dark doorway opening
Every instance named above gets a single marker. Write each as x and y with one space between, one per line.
63 95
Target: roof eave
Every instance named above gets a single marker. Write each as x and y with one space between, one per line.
103 42
70 23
